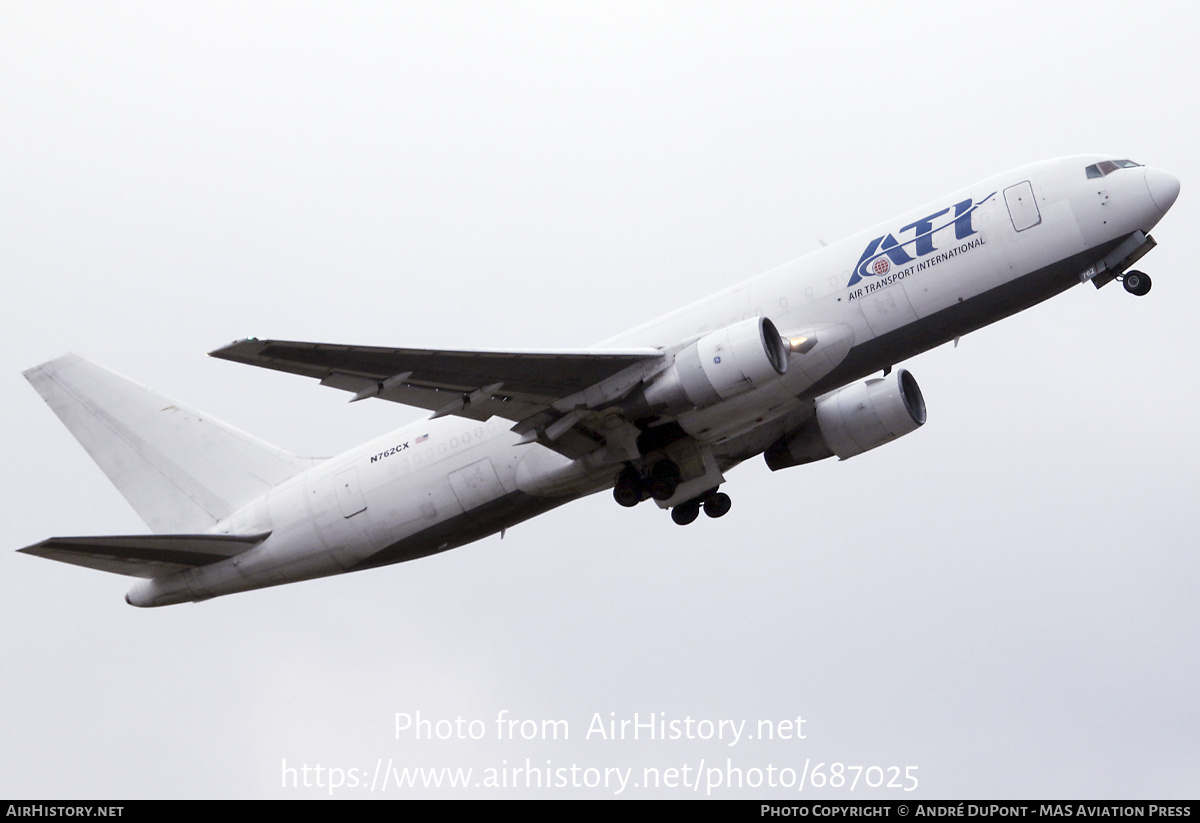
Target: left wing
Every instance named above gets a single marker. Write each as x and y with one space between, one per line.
555 397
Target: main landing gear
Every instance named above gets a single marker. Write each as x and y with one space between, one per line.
661 483
629 490
1136 283
632 488
714 503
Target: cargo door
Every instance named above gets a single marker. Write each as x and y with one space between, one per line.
1022 207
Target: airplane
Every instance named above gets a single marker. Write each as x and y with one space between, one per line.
784 365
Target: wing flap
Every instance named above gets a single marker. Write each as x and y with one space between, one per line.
150 555
518 383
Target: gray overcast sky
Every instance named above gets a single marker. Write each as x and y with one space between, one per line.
1005 599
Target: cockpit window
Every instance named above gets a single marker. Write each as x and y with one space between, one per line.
1107 167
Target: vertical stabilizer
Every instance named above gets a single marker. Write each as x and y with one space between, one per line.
182 471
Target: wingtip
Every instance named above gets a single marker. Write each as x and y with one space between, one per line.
222 351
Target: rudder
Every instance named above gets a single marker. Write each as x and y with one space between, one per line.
181 470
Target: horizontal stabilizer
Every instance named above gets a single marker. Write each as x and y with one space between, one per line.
148 555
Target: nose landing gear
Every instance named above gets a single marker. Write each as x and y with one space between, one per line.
1136 283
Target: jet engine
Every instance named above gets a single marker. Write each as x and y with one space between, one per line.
853 420
720 365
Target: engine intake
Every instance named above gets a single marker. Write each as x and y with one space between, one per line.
720 365
853 420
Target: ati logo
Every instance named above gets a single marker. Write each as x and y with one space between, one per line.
883 252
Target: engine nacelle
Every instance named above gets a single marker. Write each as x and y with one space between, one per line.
720 365
854 420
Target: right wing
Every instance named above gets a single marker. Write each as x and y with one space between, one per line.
556 397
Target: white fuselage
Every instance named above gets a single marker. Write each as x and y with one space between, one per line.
892 291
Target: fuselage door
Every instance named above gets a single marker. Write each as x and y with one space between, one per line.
349 495
1022 207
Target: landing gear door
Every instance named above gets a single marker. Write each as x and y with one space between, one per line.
1022 207
701 473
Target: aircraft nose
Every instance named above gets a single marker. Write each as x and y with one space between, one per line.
1163 186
